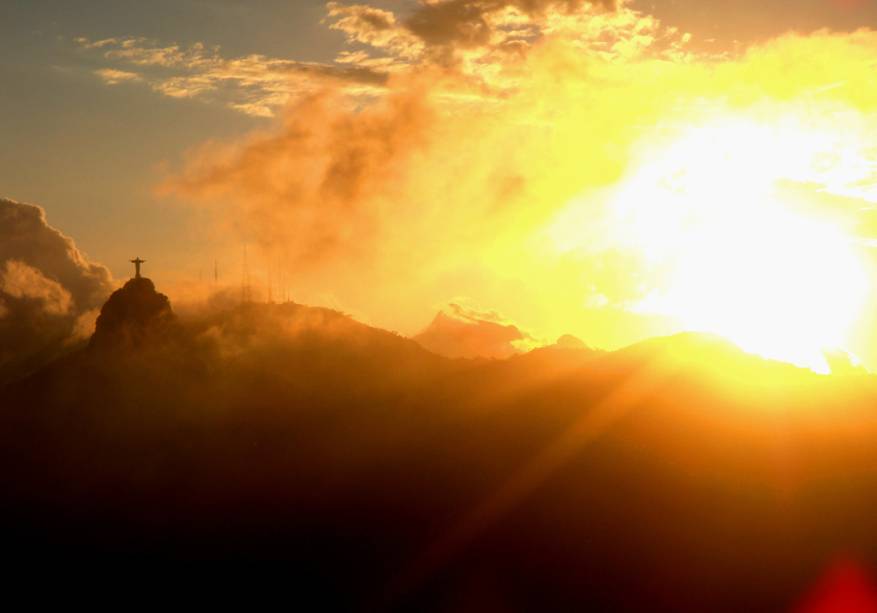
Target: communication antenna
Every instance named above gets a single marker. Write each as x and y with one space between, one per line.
245 280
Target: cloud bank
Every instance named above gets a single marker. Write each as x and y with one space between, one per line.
49 291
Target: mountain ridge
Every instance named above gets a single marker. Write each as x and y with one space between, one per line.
296 434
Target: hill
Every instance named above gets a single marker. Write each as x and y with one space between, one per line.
379 475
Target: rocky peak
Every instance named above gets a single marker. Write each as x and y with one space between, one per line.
134 315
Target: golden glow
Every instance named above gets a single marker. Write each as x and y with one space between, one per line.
614 196
723 248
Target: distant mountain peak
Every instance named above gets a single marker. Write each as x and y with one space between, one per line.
458 332
569 341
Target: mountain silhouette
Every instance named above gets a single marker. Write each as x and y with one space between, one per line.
133 315
677 474
461 333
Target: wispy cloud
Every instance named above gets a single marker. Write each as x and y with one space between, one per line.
477 43
484 40
255 84
111 76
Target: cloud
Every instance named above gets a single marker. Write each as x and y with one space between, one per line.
112 76
485 40
320 165
374 27
439 158
471 23
502 173
481 39
24 282
460 332
453 23
255 84
49 291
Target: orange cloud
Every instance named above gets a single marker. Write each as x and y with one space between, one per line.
111 76
256 84
497 175
49 291
26 282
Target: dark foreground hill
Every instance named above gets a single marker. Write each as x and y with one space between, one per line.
356 468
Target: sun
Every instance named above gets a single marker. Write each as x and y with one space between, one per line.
779 285
725 247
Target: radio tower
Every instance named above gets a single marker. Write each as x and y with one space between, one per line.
245 281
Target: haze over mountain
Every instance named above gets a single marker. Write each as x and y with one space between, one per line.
678 474
458 332
593 288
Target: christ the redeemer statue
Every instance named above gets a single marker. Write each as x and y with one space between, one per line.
137 262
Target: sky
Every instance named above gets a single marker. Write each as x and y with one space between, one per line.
90 153
593 168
